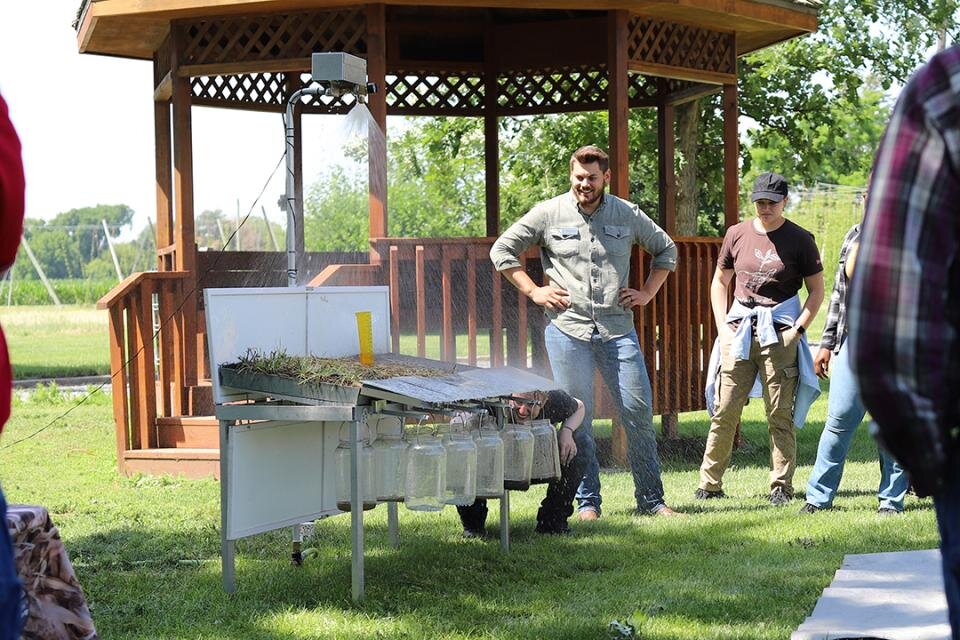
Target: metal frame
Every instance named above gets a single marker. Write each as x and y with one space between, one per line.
271 415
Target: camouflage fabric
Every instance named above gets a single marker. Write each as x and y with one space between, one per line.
57 608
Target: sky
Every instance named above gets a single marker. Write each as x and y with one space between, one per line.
86 125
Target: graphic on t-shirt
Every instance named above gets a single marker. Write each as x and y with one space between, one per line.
767 268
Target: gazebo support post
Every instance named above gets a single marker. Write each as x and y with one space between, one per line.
377 103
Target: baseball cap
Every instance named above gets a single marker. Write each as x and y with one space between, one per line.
769 186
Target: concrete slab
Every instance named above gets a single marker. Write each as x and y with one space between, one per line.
882 596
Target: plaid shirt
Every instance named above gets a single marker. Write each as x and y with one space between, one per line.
835 329
905 294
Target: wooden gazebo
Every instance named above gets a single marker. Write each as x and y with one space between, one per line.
480 58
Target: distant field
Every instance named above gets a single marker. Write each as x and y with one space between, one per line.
48 341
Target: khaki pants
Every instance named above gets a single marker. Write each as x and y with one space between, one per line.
779 375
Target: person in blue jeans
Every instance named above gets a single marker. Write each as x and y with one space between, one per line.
905 299
586 238
845 410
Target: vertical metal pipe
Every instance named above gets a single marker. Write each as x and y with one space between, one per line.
356 512
227 547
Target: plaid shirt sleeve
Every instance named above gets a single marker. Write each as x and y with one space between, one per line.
905 293
836 323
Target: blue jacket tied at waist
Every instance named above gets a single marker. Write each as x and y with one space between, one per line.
785 313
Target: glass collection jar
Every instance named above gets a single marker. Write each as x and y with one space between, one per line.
426 474
546 452
489 459
461 482
517 456
341 460
389 460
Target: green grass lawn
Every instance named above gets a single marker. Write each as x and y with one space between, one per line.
146 550
48 341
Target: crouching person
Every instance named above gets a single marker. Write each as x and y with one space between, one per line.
562 409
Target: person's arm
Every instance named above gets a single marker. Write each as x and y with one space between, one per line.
663 251
505 255
719 294
904 293
630 298
553 298
829 337
568 448
811 306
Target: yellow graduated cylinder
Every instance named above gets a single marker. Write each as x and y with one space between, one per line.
365 334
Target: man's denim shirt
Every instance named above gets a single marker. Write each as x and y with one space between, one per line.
589 256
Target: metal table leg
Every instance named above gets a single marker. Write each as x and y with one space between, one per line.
393 525
505 521
296 538
227 547
356 513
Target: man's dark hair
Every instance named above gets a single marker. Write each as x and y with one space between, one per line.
588 154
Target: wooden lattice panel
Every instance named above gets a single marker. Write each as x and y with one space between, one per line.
641 90
410 93
544 90
271 37
680 45
260 91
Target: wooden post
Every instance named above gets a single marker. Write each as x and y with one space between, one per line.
618 105
164 182
667 178
185 239
731 157
618 108
491 132
377 103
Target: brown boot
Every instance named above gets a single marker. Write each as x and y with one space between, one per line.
586 515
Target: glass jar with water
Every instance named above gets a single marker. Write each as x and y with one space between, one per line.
426 473
341 461
517 456
489 458
546 452
461 485
389 459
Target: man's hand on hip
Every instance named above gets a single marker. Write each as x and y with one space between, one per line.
553 298
630 298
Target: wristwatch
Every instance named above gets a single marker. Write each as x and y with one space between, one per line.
801 329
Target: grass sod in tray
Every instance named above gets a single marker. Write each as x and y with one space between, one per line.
346 371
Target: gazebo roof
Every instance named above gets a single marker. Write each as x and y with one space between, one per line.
137 28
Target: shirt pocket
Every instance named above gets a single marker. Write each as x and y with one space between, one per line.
617 239
564 241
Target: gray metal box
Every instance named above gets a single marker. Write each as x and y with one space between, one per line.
339 67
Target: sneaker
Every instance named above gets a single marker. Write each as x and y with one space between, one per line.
703 494
587 515
888 511
811 508
474 533
779 497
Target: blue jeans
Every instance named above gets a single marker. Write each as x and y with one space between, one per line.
947 504
622 368
845 411
10 603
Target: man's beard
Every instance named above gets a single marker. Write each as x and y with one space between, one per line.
589 199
